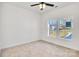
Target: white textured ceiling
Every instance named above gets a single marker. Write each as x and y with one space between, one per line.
26 5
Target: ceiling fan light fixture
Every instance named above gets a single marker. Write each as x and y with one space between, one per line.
42 6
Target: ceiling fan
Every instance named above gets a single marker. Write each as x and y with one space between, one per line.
42 5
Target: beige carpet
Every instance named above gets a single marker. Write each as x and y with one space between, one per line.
38 49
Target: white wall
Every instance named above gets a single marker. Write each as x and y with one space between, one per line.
73 12
1 24
18 25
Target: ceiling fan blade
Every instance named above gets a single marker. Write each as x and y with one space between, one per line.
49 4
34 4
